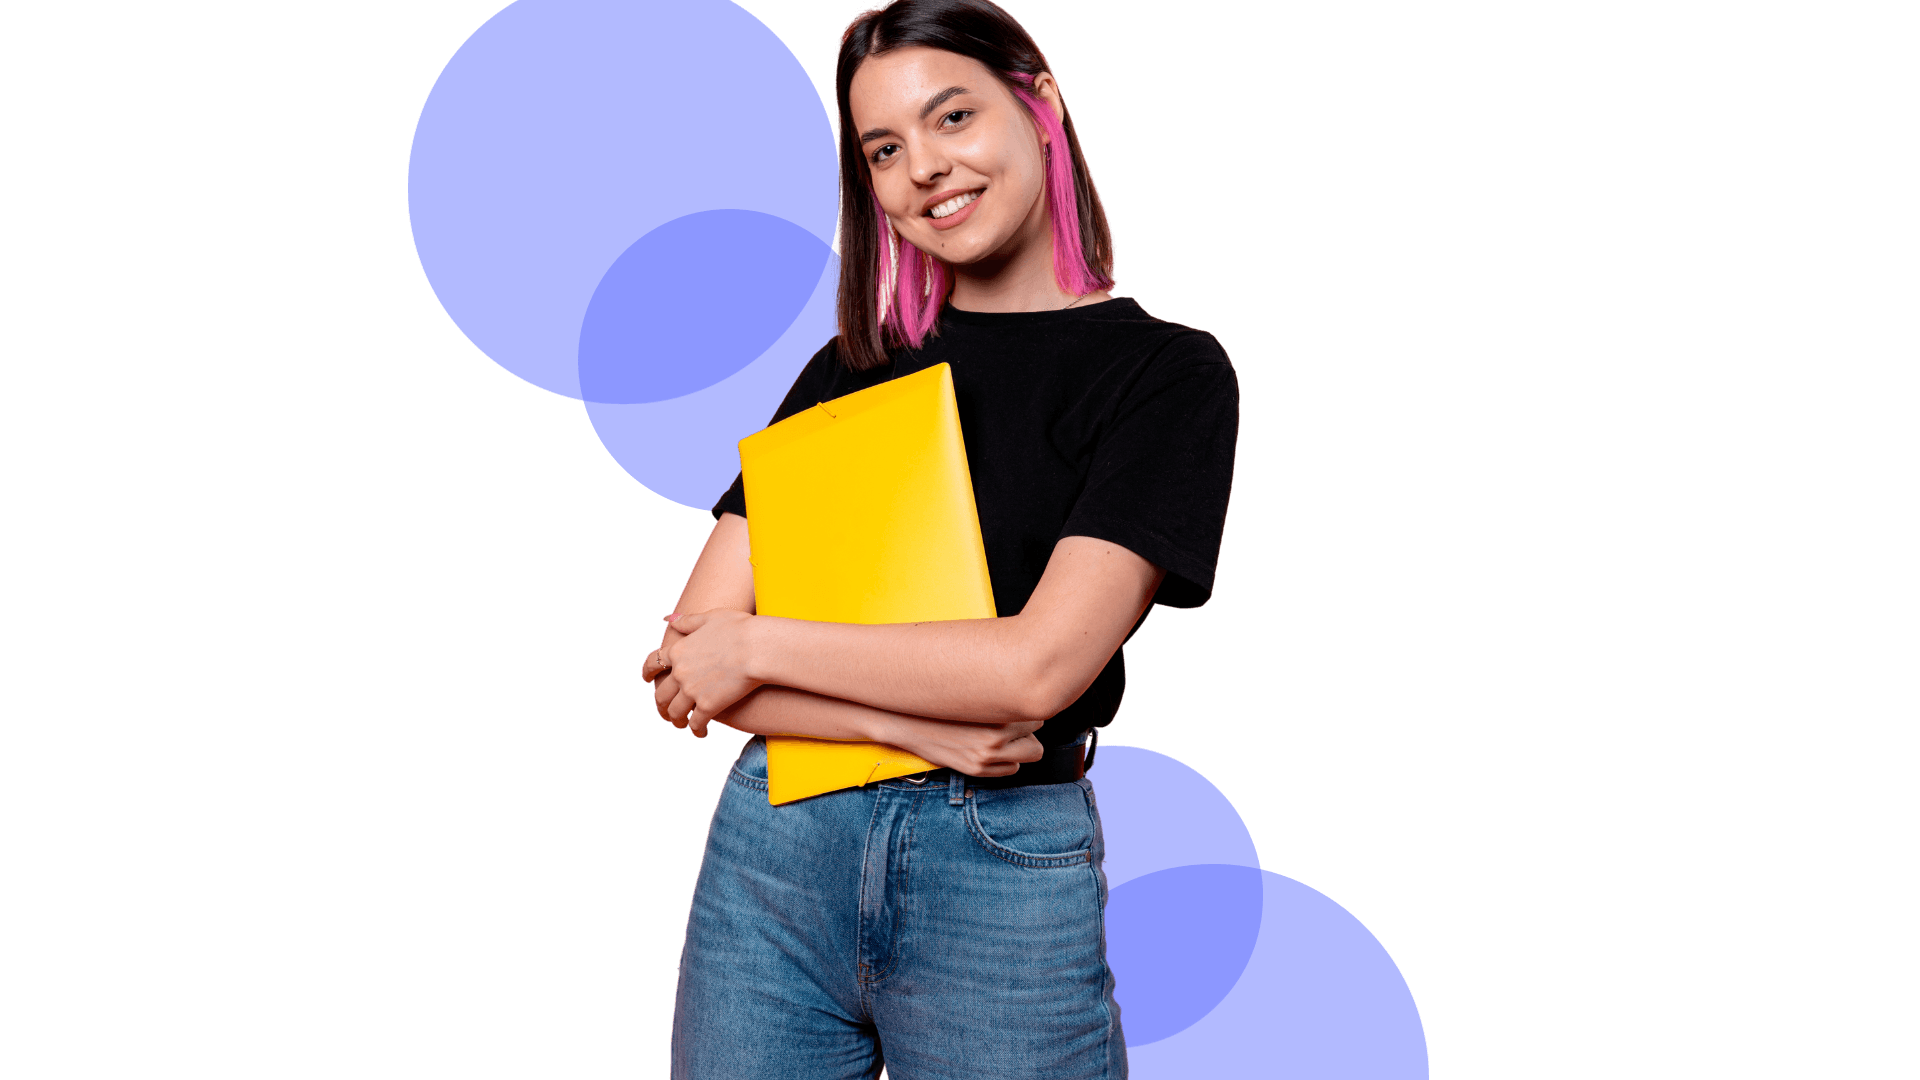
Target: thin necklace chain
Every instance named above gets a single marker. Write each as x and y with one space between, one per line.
1072 302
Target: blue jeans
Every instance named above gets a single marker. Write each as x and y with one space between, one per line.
948 931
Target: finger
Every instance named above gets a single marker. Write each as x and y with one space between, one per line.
656 665
663 692
687 624
683 704
1030 749
697 723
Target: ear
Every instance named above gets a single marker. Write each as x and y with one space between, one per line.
1047 90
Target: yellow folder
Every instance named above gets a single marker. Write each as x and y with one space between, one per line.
860 510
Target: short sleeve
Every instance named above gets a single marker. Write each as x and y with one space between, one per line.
1163 469
813 386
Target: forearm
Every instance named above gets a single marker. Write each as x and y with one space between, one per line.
780 710
723 580
973 749
1024 667
978 670
723 574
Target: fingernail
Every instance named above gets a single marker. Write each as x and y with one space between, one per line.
672 617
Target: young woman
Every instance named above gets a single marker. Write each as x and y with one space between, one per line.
951 923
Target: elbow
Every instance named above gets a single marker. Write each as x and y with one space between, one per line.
1044 691
1048 673
1051 675
1032 706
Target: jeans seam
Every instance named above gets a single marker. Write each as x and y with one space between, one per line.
1093 819
753 782
861 976
1100 895
1106 992
896 941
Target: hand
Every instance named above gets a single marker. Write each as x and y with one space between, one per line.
702 667
665 686
974 749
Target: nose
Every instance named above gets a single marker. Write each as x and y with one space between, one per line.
928 166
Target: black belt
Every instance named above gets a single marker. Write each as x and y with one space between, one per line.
1061 765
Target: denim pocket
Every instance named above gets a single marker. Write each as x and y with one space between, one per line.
750 768
1042 826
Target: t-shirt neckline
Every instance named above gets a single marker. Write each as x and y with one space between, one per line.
1119 305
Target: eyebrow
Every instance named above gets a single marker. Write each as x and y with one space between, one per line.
926 110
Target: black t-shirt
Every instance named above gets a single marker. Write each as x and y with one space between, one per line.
1098 421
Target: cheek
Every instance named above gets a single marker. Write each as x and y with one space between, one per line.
1021 171
892 195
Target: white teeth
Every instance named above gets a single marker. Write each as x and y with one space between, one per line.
953 205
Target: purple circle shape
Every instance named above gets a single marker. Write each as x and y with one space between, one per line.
1312 994
560 132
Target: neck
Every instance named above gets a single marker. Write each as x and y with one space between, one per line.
1018 277
997 295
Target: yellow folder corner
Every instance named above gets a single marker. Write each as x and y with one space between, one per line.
860 510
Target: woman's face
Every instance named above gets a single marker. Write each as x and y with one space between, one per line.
956 160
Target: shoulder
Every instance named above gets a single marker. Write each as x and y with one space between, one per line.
1189 355
1182 345
808 387
828 370
823 365
824 378
1123 321
1170 353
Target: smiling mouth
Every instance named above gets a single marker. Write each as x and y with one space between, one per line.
954 205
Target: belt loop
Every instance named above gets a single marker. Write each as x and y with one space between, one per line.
956 788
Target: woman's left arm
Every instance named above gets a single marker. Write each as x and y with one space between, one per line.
1022 667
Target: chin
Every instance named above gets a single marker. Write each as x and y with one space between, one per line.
964 250
965 256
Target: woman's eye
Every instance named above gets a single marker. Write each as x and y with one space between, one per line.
956 116
882 154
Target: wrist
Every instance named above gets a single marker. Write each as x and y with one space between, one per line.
760 647
881 727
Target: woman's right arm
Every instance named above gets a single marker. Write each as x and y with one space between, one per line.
974 749
723 578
